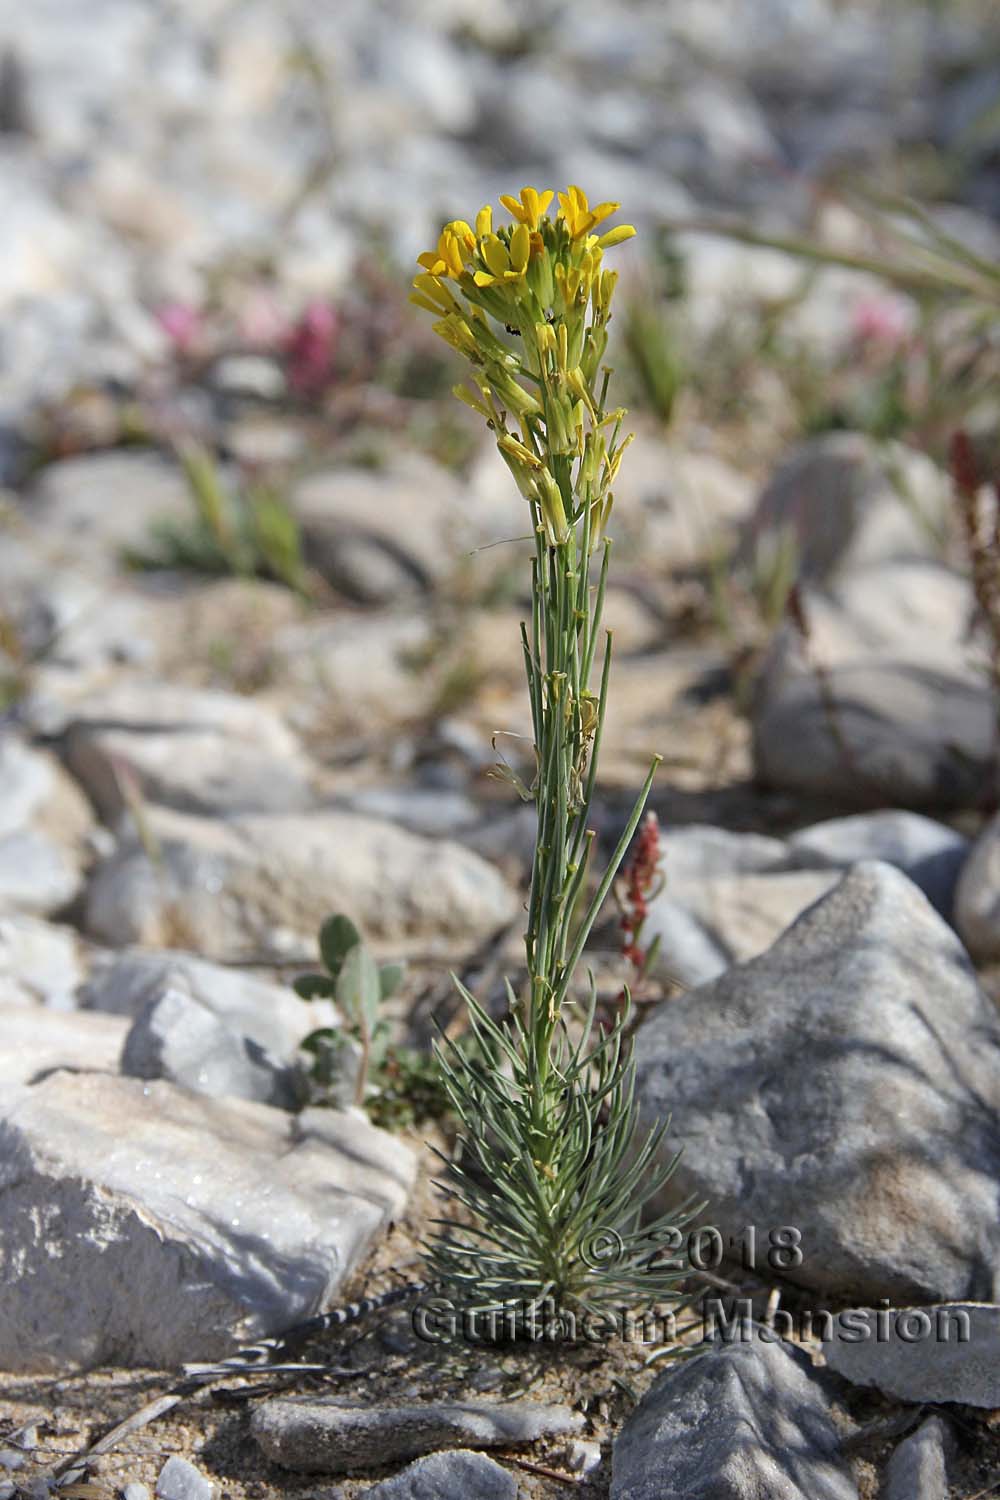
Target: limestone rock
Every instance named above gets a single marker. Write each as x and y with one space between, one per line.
845 1083
144 1225
261 886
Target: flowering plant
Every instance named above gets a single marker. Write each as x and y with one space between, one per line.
553 1167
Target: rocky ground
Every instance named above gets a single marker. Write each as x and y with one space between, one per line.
260 587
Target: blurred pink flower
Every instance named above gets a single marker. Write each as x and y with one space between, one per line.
181 323
882 320
309 348
261 320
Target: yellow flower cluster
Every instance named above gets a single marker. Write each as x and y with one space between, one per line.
540 281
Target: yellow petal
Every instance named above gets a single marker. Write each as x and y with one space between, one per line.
520 248
419 300
432 261
601 212
513 207
495 255
434 288
484 221
451 253
616 236
463 233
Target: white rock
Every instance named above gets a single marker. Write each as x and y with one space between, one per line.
676 506
259 886
201 751
141 1224
102 504
930 853
742 915
382 534
43 822
886 703
271 1014
177 1038
180 1480
848 502
35 1043
353 672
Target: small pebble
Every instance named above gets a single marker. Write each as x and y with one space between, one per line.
180 1480
135 1491
11 1459
7 1489
583 1457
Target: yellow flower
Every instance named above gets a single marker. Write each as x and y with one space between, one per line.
503 264
454 248
431 293
531 207
616 236
577 214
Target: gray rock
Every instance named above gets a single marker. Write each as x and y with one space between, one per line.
40 963
427 810
918 1470
848 502
101 504
317 1434
381 535
135 1491
725 896
78 625
354 673
203 752
977 899
863 1113
8 1489
177 1038
38 1042
10 1459
35 873
739 916
903 722
261 886
583 1457
678 507
44 820
930 853
698 851
442 1476
735 1423
180 1480
688 954
270 1014
940 1352
144 1225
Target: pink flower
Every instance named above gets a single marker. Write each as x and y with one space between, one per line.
882 320
309 349
181 323
261 321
